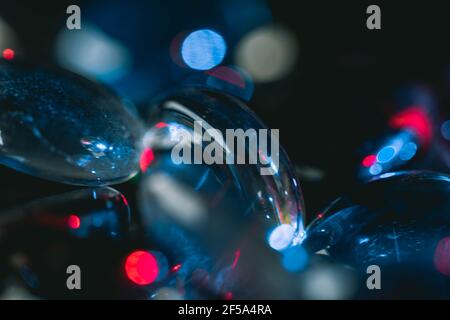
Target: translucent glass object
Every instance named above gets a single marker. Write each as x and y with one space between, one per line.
59 126
87 228
399 222
223 226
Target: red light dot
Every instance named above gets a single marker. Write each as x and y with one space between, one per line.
369 160
74 221
229 295
141 267
176 267
146 160
8 54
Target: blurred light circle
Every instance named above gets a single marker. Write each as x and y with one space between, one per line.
92 53
268 53
408 151
386 154
141 267
328 282
295 259
375 169
203 49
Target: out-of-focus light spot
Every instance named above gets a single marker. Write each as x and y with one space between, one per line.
442 256
408 151
141 267
8 54
73 221
229 295
203 49
294 259
369 160
320 216
386 154
146 159
375 169
328 283
416 119
445 130
267 53
281 237
92 53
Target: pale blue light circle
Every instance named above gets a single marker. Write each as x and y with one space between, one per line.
386 154
408 151
375 169
203 49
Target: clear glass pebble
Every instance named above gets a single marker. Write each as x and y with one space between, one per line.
62 127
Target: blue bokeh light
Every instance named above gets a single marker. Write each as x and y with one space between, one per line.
386 154
294 259
375 169
408 151
203 49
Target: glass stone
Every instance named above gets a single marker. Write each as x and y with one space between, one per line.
222 226
59 126
88 228
399 222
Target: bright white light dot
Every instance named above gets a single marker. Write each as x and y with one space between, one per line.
281 237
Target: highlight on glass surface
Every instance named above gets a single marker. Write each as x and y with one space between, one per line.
227 225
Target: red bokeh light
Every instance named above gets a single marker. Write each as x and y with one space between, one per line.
141 267
73 221
369 160
8 54
416 119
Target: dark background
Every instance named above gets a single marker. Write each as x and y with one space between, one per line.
337 97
